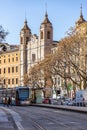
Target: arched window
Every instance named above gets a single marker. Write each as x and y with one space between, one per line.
21 40
41 35
33 57
27 39
48 35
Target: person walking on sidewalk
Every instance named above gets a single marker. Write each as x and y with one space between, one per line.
5 101
9 102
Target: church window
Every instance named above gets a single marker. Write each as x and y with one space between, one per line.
21 40
48 35
33 57
27 39
41 35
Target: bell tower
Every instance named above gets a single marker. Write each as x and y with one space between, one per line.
81 18
46 35
25 35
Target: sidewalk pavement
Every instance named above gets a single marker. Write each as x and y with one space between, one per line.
4 122
64 107
9 119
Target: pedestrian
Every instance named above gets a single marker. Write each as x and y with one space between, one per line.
9 102
5 101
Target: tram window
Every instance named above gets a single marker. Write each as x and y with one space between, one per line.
17 95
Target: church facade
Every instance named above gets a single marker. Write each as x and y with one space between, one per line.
31 50
34 48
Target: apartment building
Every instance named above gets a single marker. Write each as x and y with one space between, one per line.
9 66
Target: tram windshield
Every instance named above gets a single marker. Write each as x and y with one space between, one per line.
23 94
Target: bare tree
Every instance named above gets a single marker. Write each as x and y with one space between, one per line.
3 34
69 62
73 51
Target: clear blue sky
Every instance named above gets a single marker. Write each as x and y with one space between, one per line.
62 13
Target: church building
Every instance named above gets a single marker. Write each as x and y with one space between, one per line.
31 50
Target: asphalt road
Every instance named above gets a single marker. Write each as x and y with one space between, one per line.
39 118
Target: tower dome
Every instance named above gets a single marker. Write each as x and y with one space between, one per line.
25 27
81 19
46 20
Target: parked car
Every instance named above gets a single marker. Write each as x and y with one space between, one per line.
46 100
54 101
68 101
58 100
61 100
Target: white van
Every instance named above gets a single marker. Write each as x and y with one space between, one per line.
81 98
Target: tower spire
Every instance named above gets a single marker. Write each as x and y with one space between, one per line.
25 17
81 19
81 15
46 15
25 27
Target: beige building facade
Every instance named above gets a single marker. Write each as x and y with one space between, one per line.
9 67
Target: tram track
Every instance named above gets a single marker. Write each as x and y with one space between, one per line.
37 125
52 120
40 123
